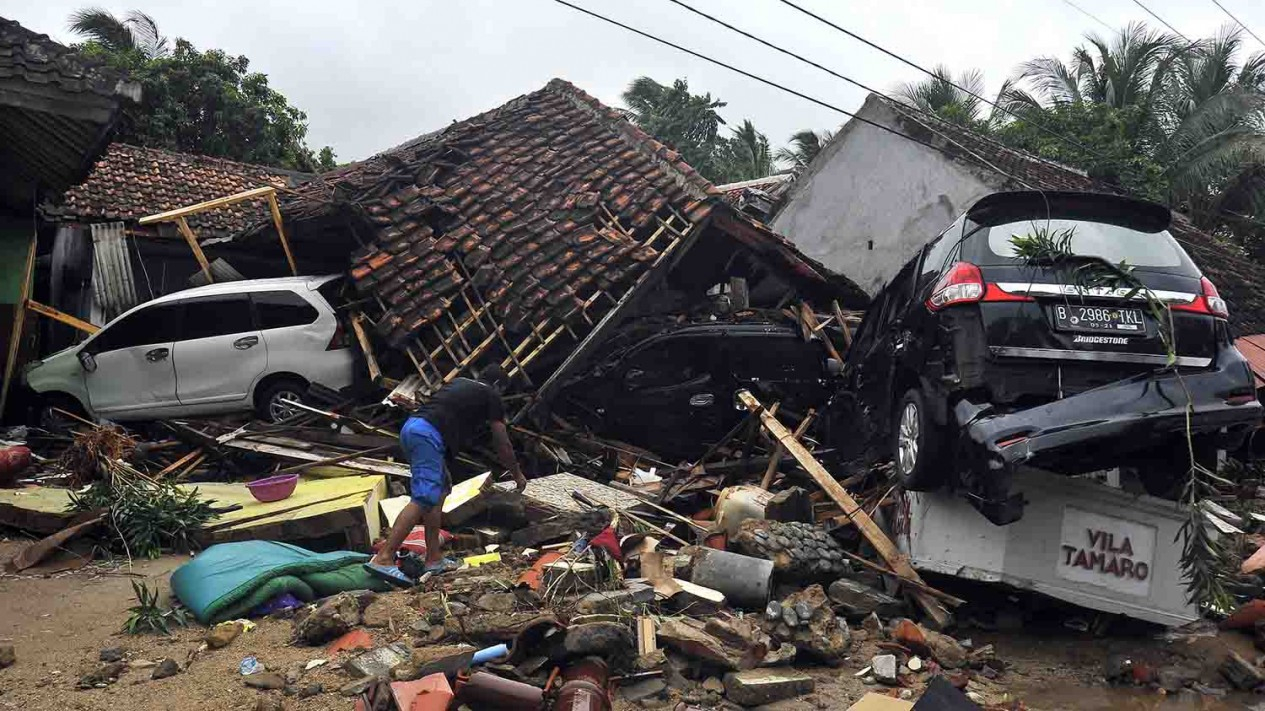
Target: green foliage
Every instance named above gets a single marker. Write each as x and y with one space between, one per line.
745 155
147 516
149 616
691 124
688 122
1111 145
804 147
206 102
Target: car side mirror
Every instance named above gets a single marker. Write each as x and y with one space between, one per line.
87 360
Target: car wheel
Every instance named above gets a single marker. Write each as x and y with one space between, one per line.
915 445
51 415
272 403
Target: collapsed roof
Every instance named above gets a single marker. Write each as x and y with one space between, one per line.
130 182
544 214
57 108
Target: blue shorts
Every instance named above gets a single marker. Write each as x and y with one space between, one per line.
424 448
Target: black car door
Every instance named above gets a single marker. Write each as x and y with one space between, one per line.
885 345
670 394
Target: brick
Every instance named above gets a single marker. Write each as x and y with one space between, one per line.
756 687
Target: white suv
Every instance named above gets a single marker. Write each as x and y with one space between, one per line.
214 349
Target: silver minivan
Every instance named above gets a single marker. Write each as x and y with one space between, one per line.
227 347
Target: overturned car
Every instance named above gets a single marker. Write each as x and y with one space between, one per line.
985 354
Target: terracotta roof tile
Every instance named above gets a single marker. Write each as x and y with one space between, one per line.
130 182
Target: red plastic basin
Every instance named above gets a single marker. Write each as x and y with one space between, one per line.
274 488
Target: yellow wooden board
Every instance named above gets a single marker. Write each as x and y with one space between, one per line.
312 497
43 509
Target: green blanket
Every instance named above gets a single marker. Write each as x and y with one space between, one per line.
228 580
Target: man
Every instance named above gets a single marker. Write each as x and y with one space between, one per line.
446 424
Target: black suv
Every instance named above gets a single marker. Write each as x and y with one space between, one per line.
672 388
972 361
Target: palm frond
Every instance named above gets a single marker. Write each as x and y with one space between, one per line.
99 25
145 32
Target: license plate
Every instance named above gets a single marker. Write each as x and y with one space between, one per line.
1099 319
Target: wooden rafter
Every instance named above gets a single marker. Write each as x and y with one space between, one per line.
267 193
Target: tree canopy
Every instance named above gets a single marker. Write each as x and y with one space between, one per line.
691 124
198 101
1175 121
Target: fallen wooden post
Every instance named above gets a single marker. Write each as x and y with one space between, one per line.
955 601
49 311
779 450
843 325
334 460
875 535
371 360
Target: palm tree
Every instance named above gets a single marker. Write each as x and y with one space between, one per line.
686 121
804 147
746 155
1212 117
1130 70
137 32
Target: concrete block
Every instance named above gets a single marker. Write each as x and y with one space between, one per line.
756 687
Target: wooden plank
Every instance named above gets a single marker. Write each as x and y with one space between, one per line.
810 318
357 325
779 450
843 325
647 639
281 233
65 318
871 530
19 323
197 248
173 215
372 466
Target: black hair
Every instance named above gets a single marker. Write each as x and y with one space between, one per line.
493 374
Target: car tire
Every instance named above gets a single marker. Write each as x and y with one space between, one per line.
49 419
916 445
268 405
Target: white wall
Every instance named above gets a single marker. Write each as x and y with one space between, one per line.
870 185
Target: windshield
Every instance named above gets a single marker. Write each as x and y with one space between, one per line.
1145 250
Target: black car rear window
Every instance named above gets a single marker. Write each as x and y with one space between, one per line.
1114 243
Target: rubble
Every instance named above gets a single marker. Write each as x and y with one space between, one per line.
333 618
885 668
810 625
168 667
798 550
858 599
756 687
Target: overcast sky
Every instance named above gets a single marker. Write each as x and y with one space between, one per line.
372 75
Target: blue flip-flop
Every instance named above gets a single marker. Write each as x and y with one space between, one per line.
443 565
391 574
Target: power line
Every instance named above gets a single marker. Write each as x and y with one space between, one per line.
799 94
946 79
1088 14
1162 21
810 62
1237 21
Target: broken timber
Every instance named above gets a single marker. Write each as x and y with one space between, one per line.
875 535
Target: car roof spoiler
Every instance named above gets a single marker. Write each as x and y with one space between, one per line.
1005 207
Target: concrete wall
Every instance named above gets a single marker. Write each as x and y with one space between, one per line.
872 199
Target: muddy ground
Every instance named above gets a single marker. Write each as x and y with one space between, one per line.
60 621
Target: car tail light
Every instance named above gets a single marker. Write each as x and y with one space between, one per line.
1208 302
962 284
339 340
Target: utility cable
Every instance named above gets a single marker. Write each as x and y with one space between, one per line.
1237 21
831 72
1162 21
947 80
1088 14
793 92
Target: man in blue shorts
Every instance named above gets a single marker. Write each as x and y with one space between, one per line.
447 423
